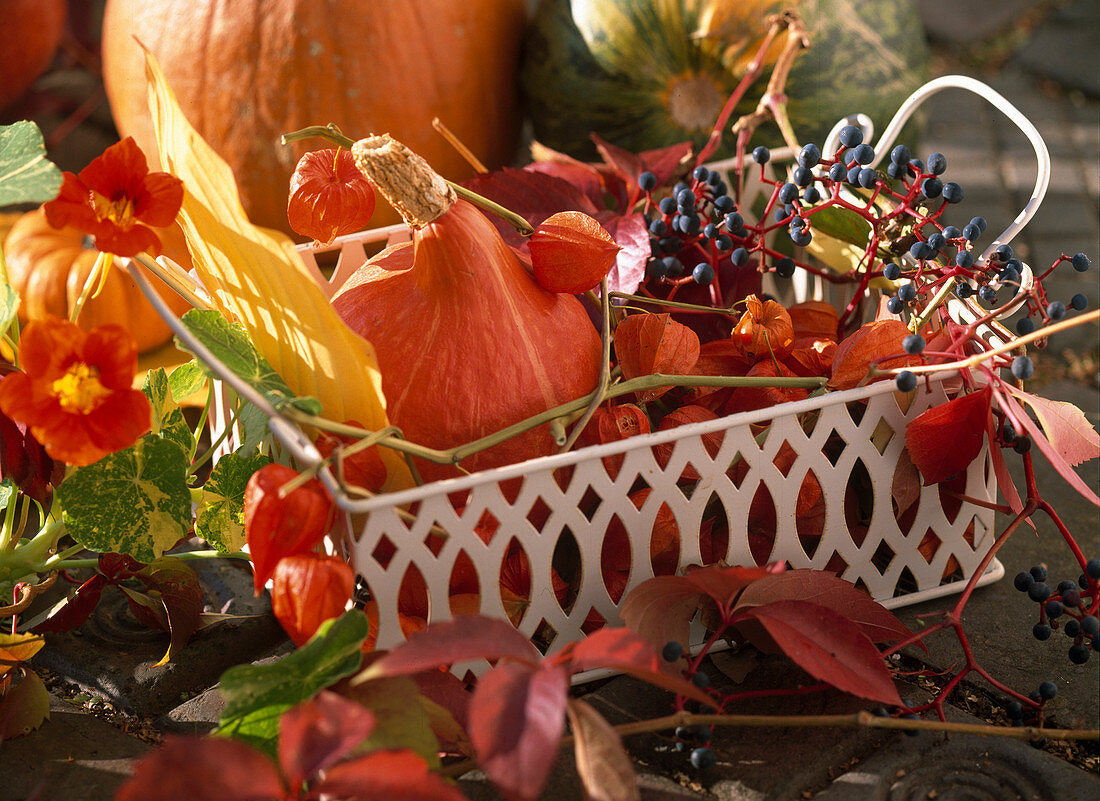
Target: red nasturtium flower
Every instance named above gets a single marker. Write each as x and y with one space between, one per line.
118 201
75 391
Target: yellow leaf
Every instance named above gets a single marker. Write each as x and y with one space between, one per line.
257 278
16 648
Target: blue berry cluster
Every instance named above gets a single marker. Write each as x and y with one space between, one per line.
1070 606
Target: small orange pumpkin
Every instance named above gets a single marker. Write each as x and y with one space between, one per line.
48 266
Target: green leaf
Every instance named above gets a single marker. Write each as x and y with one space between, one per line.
133 502
168 420
230 344
26 175
9 305
8 492
185 380
841 223
400 719
256 695
220 516
253 423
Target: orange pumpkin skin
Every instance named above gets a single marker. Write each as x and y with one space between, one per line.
48 267
467 341
244 77
32 33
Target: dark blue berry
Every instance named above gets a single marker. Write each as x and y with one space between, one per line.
851 136
710 231
906 381
810 155
1079 654
1009 276
734 221
894 305
1096 642
703 273
914 343
723 204
1002 253
907 292
1092 568
1054 609
1072 627
1066 586
684 732
672 651
916 166
670 244
1071 596
647 181
1024 326
700 679
686 198
673 266
864 153
964 259
952 192
658 227
1080 262
951 232
1048 690
689 224
1039 573
723 242
895 171
911 716
703 758
1023 579
937 241
1022 444
1041 631
667 205
1014 710
1023 368
838 171
964 290
980 222
931 187
921 250
801 237
655 269
787 193
1079 302
971 232
868 178
802 176
1038 592
853 175
1056 310
937 164
811 195
1090 625
900 154
891 272
739 257
761 155
700 173
987 293
784 267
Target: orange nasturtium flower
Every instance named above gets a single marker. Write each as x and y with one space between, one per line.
74 391
118 201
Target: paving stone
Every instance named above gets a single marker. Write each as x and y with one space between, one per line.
967 21
73 755
1063 48
114 656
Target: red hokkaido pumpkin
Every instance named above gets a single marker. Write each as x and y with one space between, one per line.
246 73
32 33
467 341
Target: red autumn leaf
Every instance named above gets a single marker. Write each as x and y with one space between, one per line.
632 236
517 716
828 646
686 415
174 603
75 609
832 592
660 609
328 195
870 342
456 640
626 651
364 468
905 487
281 526
945 439
571 252
308 589
397 775
215 769
317 734
602 763
665 162
1067 429
532 194
746 399
648 344
625 164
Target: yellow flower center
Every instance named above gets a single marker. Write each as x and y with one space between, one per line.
120 212
79 389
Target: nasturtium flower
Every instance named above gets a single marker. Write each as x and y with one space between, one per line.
75 390
118 201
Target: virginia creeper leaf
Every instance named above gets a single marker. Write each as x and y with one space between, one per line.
828 646
176 600
24 707
26 175
72 611
257 278
602 762
188 768
401 719
320 732
1067 429
660 609
387 776
133 502
457 640
256 695
632 236
832 592
219 518
516 719
945 439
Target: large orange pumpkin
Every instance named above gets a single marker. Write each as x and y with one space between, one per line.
32 32
48 267
246 73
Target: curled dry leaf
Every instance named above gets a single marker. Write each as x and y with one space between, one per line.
649 344
571 252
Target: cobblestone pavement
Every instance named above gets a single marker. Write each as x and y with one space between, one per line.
107 703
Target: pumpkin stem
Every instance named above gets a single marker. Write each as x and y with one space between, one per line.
407 181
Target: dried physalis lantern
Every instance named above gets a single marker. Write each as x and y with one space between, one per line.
328 197
571 252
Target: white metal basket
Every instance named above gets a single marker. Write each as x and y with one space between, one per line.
851 442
